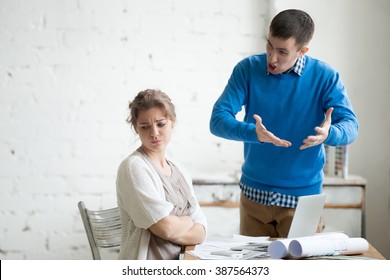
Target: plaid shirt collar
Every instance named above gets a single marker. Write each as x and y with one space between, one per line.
298 66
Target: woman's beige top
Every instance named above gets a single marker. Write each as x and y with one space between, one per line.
178 193
142 201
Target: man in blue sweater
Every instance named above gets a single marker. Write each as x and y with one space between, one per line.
294 104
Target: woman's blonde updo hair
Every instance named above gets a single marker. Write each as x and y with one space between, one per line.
147 99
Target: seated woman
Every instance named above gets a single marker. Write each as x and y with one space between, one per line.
159 210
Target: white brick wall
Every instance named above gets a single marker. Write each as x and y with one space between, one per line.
67 71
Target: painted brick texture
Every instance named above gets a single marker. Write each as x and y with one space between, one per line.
67 72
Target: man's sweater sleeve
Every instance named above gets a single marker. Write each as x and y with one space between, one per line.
223 122
345 126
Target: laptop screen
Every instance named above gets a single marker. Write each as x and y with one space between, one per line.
307 215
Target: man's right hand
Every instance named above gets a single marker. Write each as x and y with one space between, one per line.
265 136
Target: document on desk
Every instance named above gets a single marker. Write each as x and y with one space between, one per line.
233 247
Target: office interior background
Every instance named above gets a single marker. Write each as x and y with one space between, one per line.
69 68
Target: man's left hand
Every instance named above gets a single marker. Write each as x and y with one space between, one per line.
322 132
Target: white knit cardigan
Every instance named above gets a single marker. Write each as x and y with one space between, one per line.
142 203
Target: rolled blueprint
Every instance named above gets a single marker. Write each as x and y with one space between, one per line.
279 249
300 248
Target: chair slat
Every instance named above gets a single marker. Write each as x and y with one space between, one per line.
103 228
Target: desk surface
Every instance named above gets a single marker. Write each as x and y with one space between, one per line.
372 253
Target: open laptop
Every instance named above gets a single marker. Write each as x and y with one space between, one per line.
307 215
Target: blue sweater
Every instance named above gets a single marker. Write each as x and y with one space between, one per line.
290 107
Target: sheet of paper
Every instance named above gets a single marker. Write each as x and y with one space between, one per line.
251 239
209 249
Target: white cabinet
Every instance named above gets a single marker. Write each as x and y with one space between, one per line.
344 207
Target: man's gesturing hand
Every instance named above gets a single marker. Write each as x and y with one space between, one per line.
322 132
263 135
